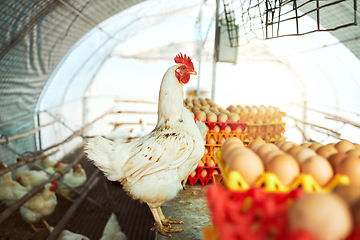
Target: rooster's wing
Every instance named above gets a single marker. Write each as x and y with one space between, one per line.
161 151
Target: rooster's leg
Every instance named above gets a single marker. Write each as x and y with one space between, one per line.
167 221
159 226
184 183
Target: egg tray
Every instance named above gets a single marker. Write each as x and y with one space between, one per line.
233 125
203 180
253 214
269 182
268 131
221 134
267 117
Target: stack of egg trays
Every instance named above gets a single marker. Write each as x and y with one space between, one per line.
270 132
212 147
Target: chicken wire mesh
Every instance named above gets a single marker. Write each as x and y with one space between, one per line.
35 36
266 19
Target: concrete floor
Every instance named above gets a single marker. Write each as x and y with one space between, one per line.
190 207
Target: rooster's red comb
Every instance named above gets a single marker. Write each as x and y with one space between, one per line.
180 58
54 184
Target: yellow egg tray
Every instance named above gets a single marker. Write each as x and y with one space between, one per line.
271 183
271 132
267 117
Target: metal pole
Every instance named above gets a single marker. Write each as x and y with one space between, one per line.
200 51
216 49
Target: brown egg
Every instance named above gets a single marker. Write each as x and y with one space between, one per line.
210 163
228 145
279 143
203 173
303 154
285 167
222 140
356 145
230 140
201 163
222 117
238 129
227 129
206 151
354 152
324 215
265 148
247 163
286 146
257 141
350 194
216 129
193 174
314 146
319 168
326 151
201 116
336 158
344 145
234 117
306 144
294 149
211 140
350 166
215 172
211 117
270 155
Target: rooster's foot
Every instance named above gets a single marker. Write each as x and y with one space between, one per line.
167 221
165 230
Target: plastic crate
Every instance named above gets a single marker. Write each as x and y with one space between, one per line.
252 214
271 183
222 125
203 180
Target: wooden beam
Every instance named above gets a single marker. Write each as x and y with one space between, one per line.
26 134
136 101
41 153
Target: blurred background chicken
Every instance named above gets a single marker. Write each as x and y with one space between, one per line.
40 206
32 178
152 168
112 230
10 190
68 235
71 180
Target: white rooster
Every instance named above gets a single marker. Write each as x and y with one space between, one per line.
152 168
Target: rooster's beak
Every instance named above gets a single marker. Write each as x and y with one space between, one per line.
194 72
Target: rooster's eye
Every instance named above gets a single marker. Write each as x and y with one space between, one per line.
183 68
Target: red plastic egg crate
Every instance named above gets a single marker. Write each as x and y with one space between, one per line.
263 218
222 125
203 180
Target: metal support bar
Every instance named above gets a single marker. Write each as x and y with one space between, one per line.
10 210
92 181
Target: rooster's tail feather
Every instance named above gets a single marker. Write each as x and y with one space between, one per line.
101 152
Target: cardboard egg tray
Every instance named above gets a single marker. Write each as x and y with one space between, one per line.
203 180
269 182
